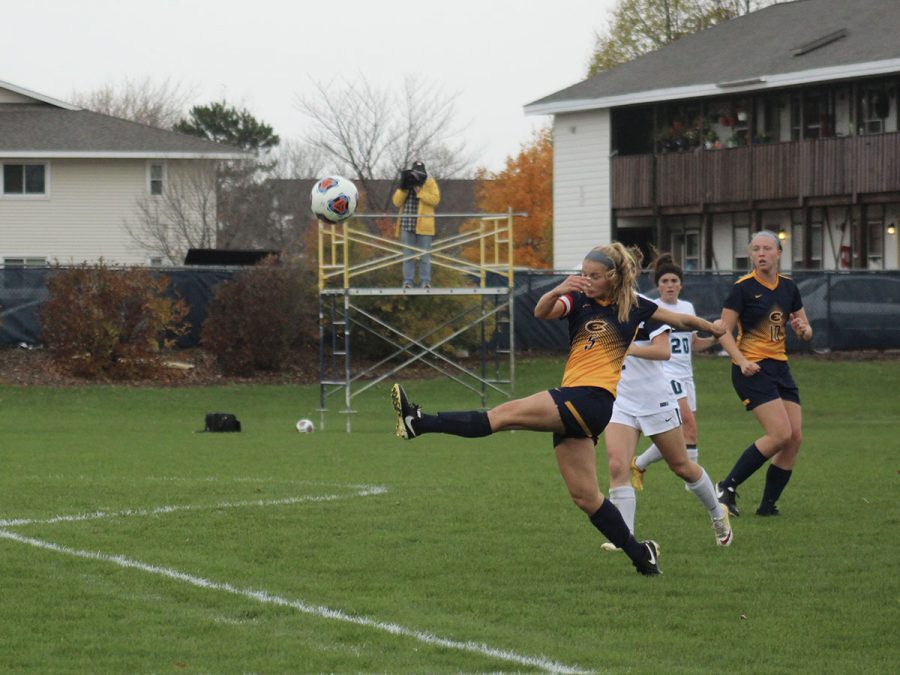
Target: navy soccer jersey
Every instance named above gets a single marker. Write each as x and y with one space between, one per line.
598 340
763 314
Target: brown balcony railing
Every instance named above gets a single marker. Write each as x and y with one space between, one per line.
817 168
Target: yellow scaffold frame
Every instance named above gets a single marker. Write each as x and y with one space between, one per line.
339 313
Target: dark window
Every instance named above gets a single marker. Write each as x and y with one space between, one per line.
27 179
157 174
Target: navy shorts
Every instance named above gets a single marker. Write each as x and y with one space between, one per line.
773 381
585 411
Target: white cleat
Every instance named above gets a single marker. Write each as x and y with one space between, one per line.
722 528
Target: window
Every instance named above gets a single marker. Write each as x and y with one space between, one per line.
156 175
815 252
875 106
797 240
686 249
24 179
875 244
812 115
739 244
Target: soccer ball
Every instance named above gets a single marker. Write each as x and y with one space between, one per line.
305 427
333 198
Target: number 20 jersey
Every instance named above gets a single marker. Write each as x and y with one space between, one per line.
679 366
598 340
763 314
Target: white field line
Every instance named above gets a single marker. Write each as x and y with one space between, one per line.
265 597
362 491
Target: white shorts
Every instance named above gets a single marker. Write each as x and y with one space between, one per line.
685 389
649 425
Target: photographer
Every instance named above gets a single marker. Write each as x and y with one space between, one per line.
416 198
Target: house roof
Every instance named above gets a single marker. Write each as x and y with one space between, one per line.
780 46
37 126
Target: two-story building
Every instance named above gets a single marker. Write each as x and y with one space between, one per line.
784 119
76 185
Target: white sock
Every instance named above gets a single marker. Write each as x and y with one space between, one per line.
692 455
623 498
706 493
647 457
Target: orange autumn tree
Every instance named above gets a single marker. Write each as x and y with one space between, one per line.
525 185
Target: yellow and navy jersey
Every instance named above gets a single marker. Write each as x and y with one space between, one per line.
598 340
763 314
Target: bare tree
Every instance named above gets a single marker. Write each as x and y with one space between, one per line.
299 159
182 217
157 104
370 132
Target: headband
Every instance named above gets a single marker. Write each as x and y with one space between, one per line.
600 257
768 233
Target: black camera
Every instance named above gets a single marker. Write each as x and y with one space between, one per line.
412 178
407 179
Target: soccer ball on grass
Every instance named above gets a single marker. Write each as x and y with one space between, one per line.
333 198
305 426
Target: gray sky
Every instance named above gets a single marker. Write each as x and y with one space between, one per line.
260 54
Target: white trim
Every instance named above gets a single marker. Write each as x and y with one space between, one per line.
40 97
775 81
79 154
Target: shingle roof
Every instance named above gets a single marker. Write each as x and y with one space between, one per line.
44 130
750 47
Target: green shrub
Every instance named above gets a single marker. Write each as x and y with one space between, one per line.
254 322
100 322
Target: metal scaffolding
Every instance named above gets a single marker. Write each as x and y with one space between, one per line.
479 276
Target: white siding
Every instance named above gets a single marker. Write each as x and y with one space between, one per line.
581 186
83 216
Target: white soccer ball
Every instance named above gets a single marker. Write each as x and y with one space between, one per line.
333 198
305 427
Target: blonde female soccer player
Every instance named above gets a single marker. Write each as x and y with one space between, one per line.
603 311
761 305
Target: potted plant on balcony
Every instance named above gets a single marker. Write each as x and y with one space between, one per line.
664 140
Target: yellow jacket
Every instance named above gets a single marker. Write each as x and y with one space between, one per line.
429 197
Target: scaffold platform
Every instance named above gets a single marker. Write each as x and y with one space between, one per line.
370 329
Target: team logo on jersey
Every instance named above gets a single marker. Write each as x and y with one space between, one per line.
776 325
595 329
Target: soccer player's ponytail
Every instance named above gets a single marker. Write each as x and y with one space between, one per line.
623 275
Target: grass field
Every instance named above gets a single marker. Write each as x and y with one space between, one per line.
129 543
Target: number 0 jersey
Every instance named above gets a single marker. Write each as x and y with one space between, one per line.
679 366
598 340
763 313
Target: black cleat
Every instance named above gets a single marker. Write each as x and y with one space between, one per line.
767 510
649 566
728 498
407 413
